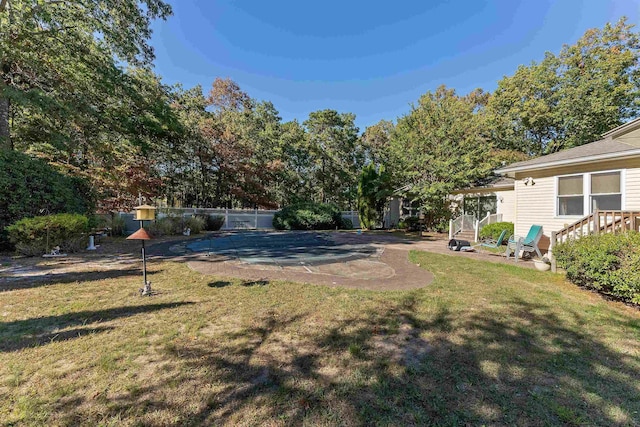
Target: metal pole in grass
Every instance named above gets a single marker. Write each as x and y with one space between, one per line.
143 213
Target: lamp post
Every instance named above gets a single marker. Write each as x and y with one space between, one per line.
143 213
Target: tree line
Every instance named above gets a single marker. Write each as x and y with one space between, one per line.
78 90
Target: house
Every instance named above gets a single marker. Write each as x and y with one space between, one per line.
587 189
492 195
484 202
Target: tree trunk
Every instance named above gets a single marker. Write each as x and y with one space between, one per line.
5 134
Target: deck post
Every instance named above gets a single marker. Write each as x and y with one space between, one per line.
476 226
554 266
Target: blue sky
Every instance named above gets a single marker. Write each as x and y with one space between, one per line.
372 58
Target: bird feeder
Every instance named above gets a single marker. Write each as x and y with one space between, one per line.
145 213
142 235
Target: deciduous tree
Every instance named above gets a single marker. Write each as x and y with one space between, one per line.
438 147
47 47
572 98
375 140
337 154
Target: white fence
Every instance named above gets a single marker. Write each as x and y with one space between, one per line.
234 219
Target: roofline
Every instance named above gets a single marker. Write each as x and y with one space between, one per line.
484 189
578 160
622 127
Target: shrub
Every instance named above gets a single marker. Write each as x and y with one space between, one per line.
308 216
175 225
28 185
213 222
442 226
117 224
608 263
166 226
35 236
97 221
493 231
346 224
195 223
410 223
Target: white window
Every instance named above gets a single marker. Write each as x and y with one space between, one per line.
570 195
606 191
578 195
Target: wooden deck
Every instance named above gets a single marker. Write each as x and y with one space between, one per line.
599 222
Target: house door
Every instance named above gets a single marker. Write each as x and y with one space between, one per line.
479 207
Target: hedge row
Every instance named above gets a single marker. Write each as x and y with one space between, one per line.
30 187
38 235
608 263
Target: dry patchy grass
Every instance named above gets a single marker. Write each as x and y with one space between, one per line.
484 344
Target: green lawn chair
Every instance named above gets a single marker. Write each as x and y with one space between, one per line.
525 244
494 244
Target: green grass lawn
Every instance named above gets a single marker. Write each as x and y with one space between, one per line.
484 344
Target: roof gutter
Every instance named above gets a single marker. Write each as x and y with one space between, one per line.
483 189
580 160
623 128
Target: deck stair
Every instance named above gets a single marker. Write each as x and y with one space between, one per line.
467 227
469 235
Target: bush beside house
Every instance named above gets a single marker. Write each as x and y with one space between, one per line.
608 263
493 231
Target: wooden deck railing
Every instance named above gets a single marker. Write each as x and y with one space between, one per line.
598 222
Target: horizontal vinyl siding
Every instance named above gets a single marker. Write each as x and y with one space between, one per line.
536 206
507 207
632 138
632 189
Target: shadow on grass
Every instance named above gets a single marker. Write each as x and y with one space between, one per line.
34 332
522 365
12 284
225 283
